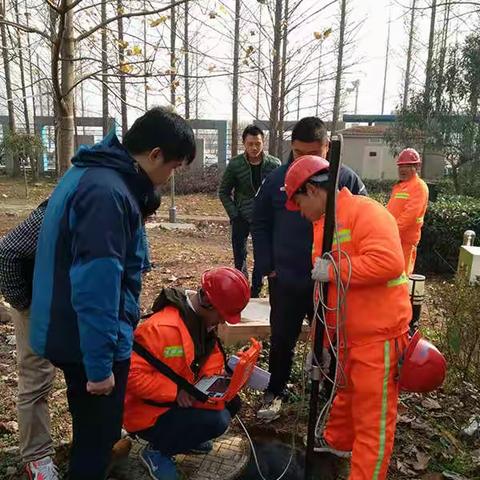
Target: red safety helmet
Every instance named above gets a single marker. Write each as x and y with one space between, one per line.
227 290
301 170
423 368
409 156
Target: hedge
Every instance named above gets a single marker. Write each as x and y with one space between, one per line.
189 180
445 222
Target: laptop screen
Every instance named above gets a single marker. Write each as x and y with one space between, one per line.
220 385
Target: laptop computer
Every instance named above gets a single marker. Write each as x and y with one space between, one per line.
224 387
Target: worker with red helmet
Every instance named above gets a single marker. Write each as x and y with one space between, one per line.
376 314
181 335
408 204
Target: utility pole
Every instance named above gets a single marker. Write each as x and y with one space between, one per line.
283 80
338 79
298 101
386 65
409 57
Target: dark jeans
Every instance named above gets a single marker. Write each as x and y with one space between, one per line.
182 429
240 232
96 419
289 305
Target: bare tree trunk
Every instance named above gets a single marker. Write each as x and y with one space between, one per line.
259 61
121 61
64 95
173 58
275 100
40 89
105 113
387 54
431 49
186 49
22 72
319 79
236 60
172 212
283 80
338 80
8 83
6 69
427 100
145 80
406 87
443 53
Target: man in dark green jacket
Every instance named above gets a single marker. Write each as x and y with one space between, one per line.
240 183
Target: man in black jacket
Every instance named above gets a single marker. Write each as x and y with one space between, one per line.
282 243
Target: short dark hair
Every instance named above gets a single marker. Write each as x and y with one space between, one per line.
164 129
310 129
252 130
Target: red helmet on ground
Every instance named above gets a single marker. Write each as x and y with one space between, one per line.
409 156
424 367
301 170
227 290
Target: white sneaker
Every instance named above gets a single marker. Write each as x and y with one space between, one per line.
270 408
43 469
321 446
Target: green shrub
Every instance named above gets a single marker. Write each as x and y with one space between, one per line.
188 180
445 222
379 186
460 336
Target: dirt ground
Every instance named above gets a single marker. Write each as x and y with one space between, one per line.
429 439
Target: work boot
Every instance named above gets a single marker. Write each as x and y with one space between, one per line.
203 448
159 466
43 469
270 408
321 446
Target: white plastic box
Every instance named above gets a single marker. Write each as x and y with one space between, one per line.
469 263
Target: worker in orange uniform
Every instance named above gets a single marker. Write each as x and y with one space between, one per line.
408 204
376 314
181 336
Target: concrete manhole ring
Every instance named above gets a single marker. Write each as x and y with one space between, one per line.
227 460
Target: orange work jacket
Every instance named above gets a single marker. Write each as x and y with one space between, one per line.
377 301
166 337
408 204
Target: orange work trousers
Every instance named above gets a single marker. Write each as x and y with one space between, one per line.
410 255
364 413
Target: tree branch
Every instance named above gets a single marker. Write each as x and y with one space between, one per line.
24 28
90 32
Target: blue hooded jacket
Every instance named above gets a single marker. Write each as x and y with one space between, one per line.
282 240
90 254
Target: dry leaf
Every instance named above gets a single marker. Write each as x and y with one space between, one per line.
431 404
422 461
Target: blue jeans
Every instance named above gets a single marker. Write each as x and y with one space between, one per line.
240 232
181 429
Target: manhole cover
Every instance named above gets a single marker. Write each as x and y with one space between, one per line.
227 460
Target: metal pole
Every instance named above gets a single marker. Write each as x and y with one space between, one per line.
172 213
335 162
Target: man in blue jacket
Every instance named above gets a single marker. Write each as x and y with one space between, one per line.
87 276
282 245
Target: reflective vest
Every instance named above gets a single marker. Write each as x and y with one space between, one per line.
166 337
408 204
377 301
